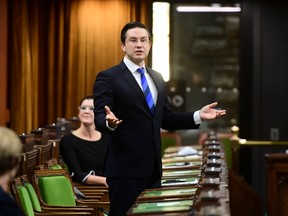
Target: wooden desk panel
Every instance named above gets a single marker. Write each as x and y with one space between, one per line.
277 184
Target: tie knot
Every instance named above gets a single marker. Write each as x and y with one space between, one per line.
141 71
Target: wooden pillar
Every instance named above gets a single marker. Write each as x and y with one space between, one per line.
4 114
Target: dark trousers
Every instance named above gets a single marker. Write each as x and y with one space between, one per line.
123 192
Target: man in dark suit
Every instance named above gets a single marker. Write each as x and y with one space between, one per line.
133 161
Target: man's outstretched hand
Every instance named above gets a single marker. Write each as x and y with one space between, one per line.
113 121
209 112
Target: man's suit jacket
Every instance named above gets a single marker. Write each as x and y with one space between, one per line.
135 148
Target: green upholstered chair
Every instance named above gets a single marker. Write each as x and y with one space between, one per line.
53 164
26 197
56 190
56 166
33 197
37 207
27 206
169 139
89 191
25 201
55 187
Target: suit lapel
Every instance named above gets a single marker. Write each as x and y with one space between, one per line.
130 79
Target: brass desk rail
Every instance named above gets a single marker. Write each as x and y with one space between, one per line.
244 142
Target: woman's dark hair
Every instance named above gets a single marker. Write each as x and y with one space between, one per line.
132 25
89 97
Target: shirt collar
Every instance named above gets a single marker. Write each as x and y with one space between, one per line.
131 66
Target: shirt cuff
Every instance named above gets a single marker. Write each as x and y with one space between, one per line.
92 172
197 118
109 128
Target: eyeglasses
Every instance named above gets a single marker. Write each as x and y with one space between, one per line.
135 41
83 108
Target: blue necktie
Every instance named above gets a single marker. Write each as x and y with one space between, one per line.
146 90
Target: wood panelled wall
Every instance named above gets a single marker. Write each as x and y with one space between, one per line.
4 116
55 50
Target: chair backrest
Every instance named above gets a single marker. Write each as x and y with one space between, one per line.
16 185
53 164
56 166
13 189
55 187
56 190
48 210
33 197
28 162
25 201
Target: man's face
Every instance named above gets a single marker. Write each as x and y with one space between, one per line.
137 45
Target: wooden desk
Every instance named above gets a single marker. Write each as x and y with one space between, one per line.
168 193
171 208
277 183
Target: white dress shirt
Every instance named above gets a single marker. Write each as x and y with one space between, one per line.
133 68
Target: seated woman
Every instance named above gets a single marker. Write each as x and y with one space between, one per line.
10 150
84 149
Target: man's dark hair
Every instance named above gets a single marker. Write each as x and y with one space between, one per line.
132 25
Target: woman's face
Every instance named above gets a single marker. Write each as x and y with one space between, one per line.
86 114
